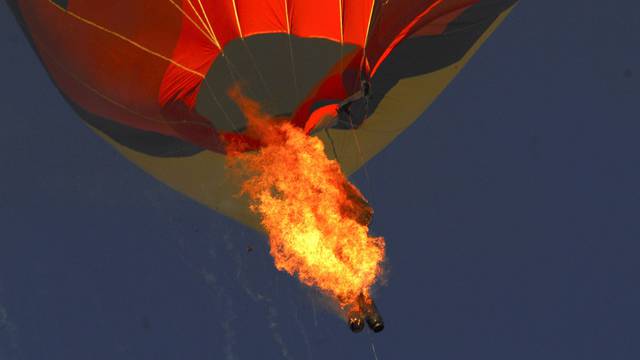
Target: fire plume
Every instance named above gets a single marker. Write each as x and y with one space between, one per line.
316 220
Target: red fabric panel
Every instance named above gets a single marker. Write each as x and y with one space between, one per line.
391 18
263 16
222 18
429 26
319 19
400 19
332 88
196 49
319 115
356 14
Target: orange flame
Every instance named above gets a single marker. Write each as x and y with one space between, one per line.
316 220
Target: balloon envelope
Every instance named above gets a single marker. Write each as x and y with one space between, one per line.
152 77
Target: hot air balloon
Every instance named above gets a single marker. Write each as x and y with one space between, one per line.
152 77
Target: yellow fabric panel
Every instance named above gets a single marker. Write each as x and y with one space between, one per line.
202 177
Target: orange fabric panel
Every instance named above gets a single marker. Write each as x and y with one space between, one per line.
356 14
117 69
106 75
263 16
319 19
152 23
99 105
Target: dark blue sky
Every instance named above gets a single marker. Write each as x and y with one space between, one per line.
510 210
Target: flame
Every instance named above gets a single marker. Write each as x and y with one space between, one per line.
317 222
